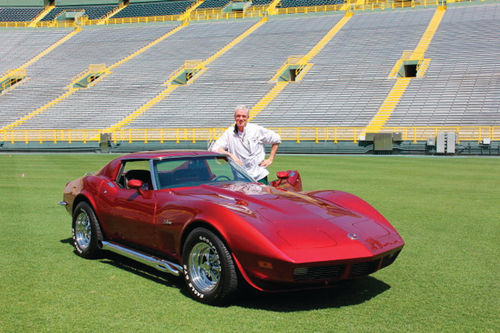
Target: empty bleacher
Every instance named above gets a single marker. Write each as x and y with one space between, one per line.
307 3
239 76
345 86
213 4
19 46
261 2
18 14
348 81
142 9
462 83
138 80
49 76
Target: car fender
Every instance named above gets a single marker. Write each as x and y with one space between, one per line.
351 202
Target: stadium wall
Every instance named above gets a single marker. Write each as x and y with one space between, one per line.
464 148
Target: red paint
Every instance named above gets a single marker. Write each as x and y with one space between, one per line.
283 229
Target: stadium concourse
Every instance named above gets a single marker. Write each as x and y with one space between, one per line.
383 77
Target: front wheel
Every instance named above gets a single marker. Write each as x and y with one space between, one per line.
86 231
208 268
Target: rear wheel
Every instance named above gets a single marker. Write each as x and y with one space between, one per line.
208 268
86 231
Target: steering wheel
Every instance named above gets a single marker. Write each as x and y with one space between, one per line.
218 178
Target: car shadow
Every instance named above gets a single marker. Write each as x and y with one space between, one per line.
141 270
343 293
340 294
67 241
145 271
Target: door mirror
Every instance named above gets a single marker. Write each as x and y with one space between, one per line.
135 184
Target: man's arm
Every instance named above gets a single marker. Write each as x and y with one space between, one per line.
232 156
267 162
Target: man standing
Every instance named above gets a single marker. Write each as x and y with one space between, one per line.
244 143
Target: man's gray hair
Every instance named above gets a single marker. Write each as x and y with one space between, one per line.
242 107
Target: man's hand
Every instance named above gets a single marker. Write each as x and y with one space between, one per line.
236 159
266 163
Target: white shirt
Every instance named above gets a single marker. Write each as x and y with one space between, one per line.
248 146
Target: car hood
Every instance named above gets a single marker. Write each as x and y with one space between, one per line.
301 225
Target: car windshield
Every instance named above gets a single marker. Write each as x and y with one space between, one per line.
194 171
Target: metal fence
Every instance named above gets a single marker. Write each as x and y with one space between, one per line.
296 134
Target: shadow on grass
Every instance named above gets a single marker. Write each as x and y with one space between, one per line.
135 267
141 270
343 293
67 241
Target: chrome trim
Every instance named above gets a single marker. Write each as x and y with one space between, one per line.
352 236
62 203
159 264
153 173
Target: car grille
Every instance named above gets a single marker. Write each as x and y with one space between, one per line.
319 272
364 268
336 272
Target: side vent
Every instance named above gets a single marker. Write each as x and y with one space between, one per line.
13 77
186 73
292 69
89 77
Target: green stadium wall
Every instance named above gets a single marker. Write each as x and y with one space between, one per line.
464 148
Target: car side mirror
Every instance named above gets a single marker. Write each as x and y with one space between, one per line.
135 184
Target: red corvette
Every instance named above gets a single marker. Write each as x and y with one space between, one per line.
199 214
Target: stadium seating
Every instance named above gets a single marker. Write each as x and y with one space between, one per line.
19 46
154 9
462 83
213 4
93 12
49 76
18 14
304 3
138 80
261 2
239 76
345 86
348 81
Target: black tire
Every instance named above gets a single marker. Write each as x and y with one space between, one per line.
86 231
208 268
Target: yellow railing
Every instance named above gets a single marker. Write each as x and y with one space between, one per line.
141 19
218 15
309 9
253 11
295 134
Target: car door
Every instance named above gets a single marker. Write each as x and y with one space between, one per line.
130 212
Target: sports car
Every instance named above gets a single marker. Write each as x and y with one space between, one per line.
197 214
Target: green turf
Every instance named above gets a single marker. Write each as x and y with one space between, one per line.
446 278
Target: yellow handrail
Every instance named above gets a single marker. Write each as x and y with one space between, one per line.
252 11
295 134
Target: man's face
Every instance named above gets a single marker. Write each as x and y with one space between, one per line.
241 118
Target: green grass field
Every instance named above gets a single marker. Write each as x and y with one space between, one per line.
446 278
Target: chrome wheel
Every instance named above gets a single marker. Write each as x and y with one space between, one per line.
204 266
86 231
83 230
208 267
